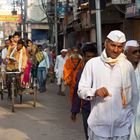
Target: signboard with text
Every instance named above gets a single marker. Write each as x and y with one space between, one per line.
10 18
138 4
121 1
131 11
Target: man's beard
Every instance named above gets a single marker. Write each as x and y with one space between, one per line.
75 55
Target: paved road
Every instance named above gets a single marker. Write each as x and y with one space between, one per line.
50 120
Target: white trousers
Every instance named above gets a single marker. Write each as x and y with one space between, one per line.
60 83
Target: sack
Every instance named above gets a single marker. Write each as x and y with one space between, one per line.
39 56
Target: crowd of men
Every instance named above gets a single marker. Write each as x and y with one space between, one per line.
32 61
105 88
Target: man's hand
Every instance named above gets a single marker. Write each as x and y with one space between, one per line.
4 61
73 117
102 92
89 98
22 70
12 59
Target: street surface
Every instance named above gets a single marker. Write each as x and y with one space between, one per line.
50 120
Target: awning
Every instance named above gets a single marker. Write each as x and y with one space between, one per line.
40 26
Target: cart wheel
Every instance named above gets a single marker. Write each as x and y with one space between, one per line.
20 99
13 96
1 91
35 95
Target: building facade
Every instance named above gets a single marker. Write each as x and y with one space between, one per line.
81 27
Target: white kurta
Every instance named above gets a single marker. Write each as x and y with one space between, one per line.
135 131
108 118
137 73
4 53
59 67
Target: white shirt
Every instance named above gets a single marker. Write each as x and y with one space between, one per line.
45 63
4 53
137 73
59 66
135 131
108 118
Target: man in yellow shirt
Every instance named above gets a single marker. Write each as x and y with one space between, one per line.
16 61
10 64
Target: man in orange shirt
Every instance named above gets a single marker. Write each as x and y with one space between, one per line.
71 67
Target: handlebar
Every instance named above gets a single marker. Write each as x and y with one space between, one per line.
13 72
12 59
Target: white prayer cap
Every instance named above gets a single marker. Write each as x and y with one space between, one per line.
64 50
132 43
117 36
6 38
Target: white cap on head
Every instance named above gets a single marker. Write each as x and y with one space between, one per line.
117 36
64 50
131 43
6 38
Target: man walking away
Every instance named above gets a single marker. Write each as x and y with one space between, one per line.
59 68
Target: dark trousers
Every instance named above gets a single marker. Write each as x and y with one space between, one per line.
9 80
42 78
85 114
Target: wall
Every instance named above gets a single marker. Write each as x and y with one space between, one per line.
132 29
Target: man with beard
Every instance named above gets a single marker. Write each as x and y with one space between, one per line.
132 52
71 67
89 51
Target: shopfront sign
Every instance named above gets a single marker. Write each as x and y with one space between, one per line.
10 18
121 1
61 9
131 11
138 4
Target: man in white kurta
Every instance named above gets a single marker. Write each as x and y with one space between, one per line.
108 81
58 68
135 131
132 51
3 65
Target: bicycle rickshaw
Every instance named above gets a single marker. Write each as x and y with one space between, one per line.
15 89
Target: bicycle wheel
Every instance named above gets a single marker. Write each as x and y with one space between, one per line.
1 90
35 91
13 96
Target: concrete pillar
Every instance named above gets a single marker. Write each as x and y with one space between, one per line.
98 26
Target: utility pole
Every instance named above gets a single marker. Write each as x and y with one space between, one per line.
24 20
24 16
98 26
55 27
65 38
75 3
21 28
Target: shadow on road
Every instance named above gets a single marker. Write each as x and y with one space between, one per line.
49 120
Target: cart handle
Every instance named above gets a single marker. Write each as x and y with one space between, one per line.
13 72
